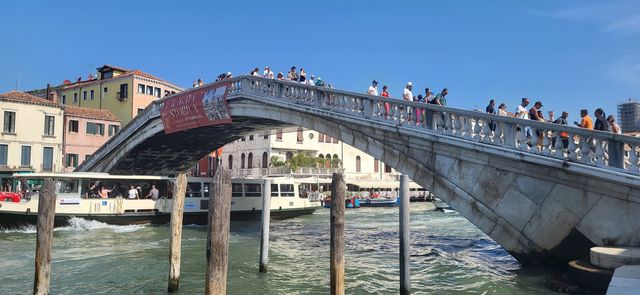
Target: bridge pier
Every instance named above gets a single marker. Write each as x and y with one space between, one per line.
338 193
266 216
405 237
44 237
177 210
218 233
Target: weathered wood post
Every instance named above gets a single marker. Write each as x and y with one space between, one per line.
177 210
405 282
218 233
266 217
44 237
338 193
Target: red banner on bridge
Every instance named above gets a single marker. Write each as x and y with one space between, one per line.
201 107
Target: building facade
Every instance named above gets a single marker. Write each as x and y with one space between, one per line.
32 134
629 116
123 92
255 154
85 130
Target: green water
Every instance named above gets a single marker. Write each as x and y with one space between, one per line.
448 256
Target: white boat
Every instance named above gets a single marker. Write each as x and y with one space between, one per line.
103 197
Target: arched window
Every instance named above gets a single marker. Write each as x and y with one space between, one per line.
265 160
242 161
230 162
321 161
327 162
289 156
357 163
250 161
300 135
376 165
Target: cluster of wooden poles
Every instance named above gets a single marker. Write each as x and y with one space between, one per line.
218 234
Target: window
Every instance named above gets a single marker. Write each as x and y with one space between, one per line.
73 126
87 156
265 160
9 122
320 137
49 125
335 140
141 88
72 160
91 94
358 163
84 95
243 138
279 134
236 189
242 157
300 135
286 190
149 90
387 168
266 136
95 128
47 159
4 150
327 139
250 161
230 162
274 190
156 92
252 190
75 97
376 166
25 158
140 111
251 137
289 156
124 89
64 99
167 93
113 129
105 89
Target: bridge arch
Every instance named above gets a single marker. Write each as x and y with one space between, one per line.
533 204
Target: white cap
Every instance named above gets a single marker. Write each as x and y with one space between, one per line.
409 84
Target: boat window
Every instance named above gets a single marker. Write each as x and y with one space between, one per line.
236 189
194 190
67 186
286 190
252 190
274 190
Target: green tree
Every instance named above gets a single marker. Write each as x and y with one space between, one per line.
275 162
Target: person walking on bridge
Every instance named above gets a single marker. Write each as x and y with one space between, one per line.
441 98
407 95
268 73
373 89
491 109
292 75
586 122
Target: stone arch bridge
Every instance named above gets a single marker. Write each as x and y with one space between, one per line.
546 202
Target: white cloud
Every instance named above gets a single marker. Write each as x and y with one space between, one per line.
613 16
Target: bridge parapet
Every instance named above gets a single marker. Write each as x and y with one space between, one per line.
595 148
590 147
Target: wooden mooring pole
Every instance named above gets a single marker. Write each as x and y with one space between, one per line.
405 282
44 237
266 217
338 193
218 233
177 210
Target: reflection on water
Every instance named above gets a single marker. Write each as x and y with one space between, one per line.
448 256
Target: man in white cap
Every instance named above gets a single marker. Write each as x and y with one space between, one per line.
311 81
268 73
407 95
373 89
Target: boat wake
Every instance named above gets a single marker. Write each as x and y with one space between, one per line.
77 225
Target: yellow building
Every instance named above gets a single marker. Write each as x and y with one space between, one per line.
31 138
123 92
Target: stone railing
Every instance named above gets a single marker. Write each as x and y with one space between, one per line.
284 171
589 147
595 148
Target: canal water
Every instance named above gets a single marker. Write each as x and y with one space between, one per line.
448 256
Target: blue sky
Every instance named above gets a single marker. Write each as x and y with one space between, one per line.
568 54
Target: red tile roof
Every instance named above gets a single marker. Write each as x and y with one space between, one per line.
88 113
21 97
125 74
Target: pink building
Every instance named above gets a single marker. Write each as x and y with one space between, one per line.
85 130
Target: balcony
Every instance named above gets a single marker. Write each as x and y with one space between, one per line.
284 171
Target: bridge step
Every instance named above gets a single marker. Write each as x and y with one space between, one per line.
625 281
614 257
586 274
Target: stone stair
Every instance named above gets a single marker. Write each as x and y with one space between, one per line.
616 269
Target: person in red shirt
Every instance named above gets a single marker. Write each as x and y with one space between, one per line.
385 93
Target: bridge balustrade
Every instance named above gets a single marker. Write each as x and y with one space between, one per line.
606 150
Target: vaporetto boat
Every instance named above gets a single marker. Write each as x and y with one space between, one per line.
105 198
